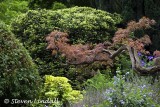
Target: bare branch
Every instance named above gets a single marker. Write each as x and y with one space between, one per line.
137 60
110 52
147 71
139 68
120 50
131 56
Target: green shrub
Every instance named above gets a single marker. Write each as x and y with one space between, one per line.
94 88
19 76
123 62
58 90
83 24
58 5
10 9
98 82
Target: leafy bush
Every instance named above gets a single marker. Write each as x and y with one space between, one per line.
123 62
19 76
93 89
58 89
35 4
11 9
98 82
58 5
83 24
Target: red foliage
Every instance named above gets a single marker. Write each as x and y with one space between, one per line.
76 54
122 36
156 53
82 54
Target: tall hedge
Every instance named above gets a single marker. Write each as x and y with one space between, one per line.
83 24
19 77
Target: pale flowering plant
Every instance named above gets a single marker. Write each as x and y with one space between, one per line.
122 93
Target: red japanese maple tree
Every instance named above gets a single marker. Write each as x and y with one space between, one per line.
86 54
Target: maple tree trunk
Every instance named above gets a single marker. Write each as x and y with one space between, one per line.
136 61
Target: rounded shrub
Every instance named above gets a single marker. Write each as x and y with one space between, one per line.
19 77
58 5
58 90
83 24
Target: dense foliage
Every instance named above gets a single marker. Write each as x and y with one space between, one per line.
96 26
19 77
59 91
129 9
58 5
11 9
86 54
32 28
34 4
78 53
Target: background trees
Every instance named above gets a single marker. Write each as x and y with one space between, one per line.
134 8
129 9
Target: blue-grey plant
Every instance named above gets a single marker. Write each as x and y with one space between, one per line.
123 92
